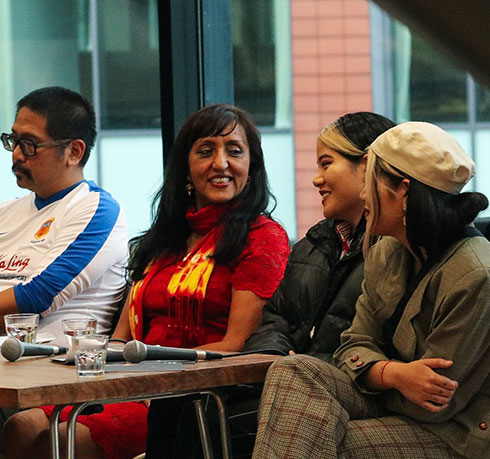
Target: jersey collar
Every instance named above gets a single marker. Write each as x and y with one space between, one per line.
41 203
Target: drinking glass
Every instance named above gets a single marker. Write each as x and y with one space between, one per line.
90 354
22 326
77 326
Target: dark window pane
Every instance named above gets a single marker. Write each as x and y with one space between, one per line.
437 86
254 58
482 103
129 72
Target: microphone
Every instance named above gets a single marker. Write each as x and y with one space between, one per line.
136 351
13 349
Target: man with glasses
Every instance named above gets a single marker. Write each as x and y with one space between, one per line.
63 248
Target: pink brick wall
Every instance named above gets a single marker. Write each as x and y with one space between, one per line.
331 76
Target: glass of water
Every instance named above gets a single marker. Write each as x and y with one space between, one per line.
22 326
90 354
75 327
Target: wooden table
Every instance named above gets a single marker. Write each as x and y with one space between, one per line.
35 381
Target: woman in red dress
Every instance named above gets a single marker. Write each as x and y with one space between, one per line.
201 273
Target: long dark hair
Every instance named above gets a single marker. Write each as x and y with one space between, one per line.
170 230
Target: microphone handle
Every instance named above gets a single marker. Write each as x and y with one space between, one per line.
169 353
175 353
39 349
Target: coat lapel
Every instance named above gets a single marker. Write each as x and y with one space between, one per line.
404 338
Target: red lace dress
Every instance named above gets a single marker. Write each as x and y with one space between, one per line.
121 428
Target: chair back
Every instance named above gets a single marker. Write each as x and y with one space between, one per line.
483 225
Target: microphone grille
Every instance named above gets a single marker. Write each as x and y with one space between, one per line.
134 351
12 349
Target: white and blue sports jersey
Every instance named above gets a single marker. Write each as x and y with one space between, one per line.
65 256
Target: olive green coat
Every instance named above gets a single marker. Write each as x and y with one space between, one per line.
448 316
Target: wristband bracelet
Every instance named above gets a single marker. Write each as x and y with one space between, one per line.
383 370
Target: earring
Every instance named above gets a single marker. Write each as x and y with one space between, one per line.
404 214
249 180
189 188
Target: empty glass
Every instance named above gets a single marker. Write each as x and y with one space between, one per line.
77 326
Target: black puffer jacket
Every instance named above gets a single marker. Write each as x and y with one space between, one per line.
317 293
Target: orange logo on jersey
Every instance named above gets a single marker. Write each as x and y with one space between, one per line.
44 229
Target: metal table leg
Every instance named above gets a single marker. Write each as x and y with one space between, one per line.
70 429
224 426
202 422
54 432
223 423
200 412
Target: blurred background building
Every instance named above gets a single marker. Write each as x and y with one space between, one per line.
295 65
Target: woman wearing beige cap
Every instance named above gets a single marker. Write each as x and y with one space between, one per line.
414 377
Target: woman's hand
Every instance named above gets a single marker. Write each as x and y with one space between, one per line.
419 383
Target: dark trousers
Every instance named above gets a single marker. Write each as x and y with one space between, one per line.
173 432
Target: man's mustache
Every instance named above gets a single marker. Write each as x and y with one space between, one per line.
17 167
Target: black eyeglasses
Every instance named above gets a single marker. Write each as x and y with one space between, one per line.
28 146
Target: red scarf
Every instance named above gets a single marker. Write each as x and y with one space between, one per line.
187 287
